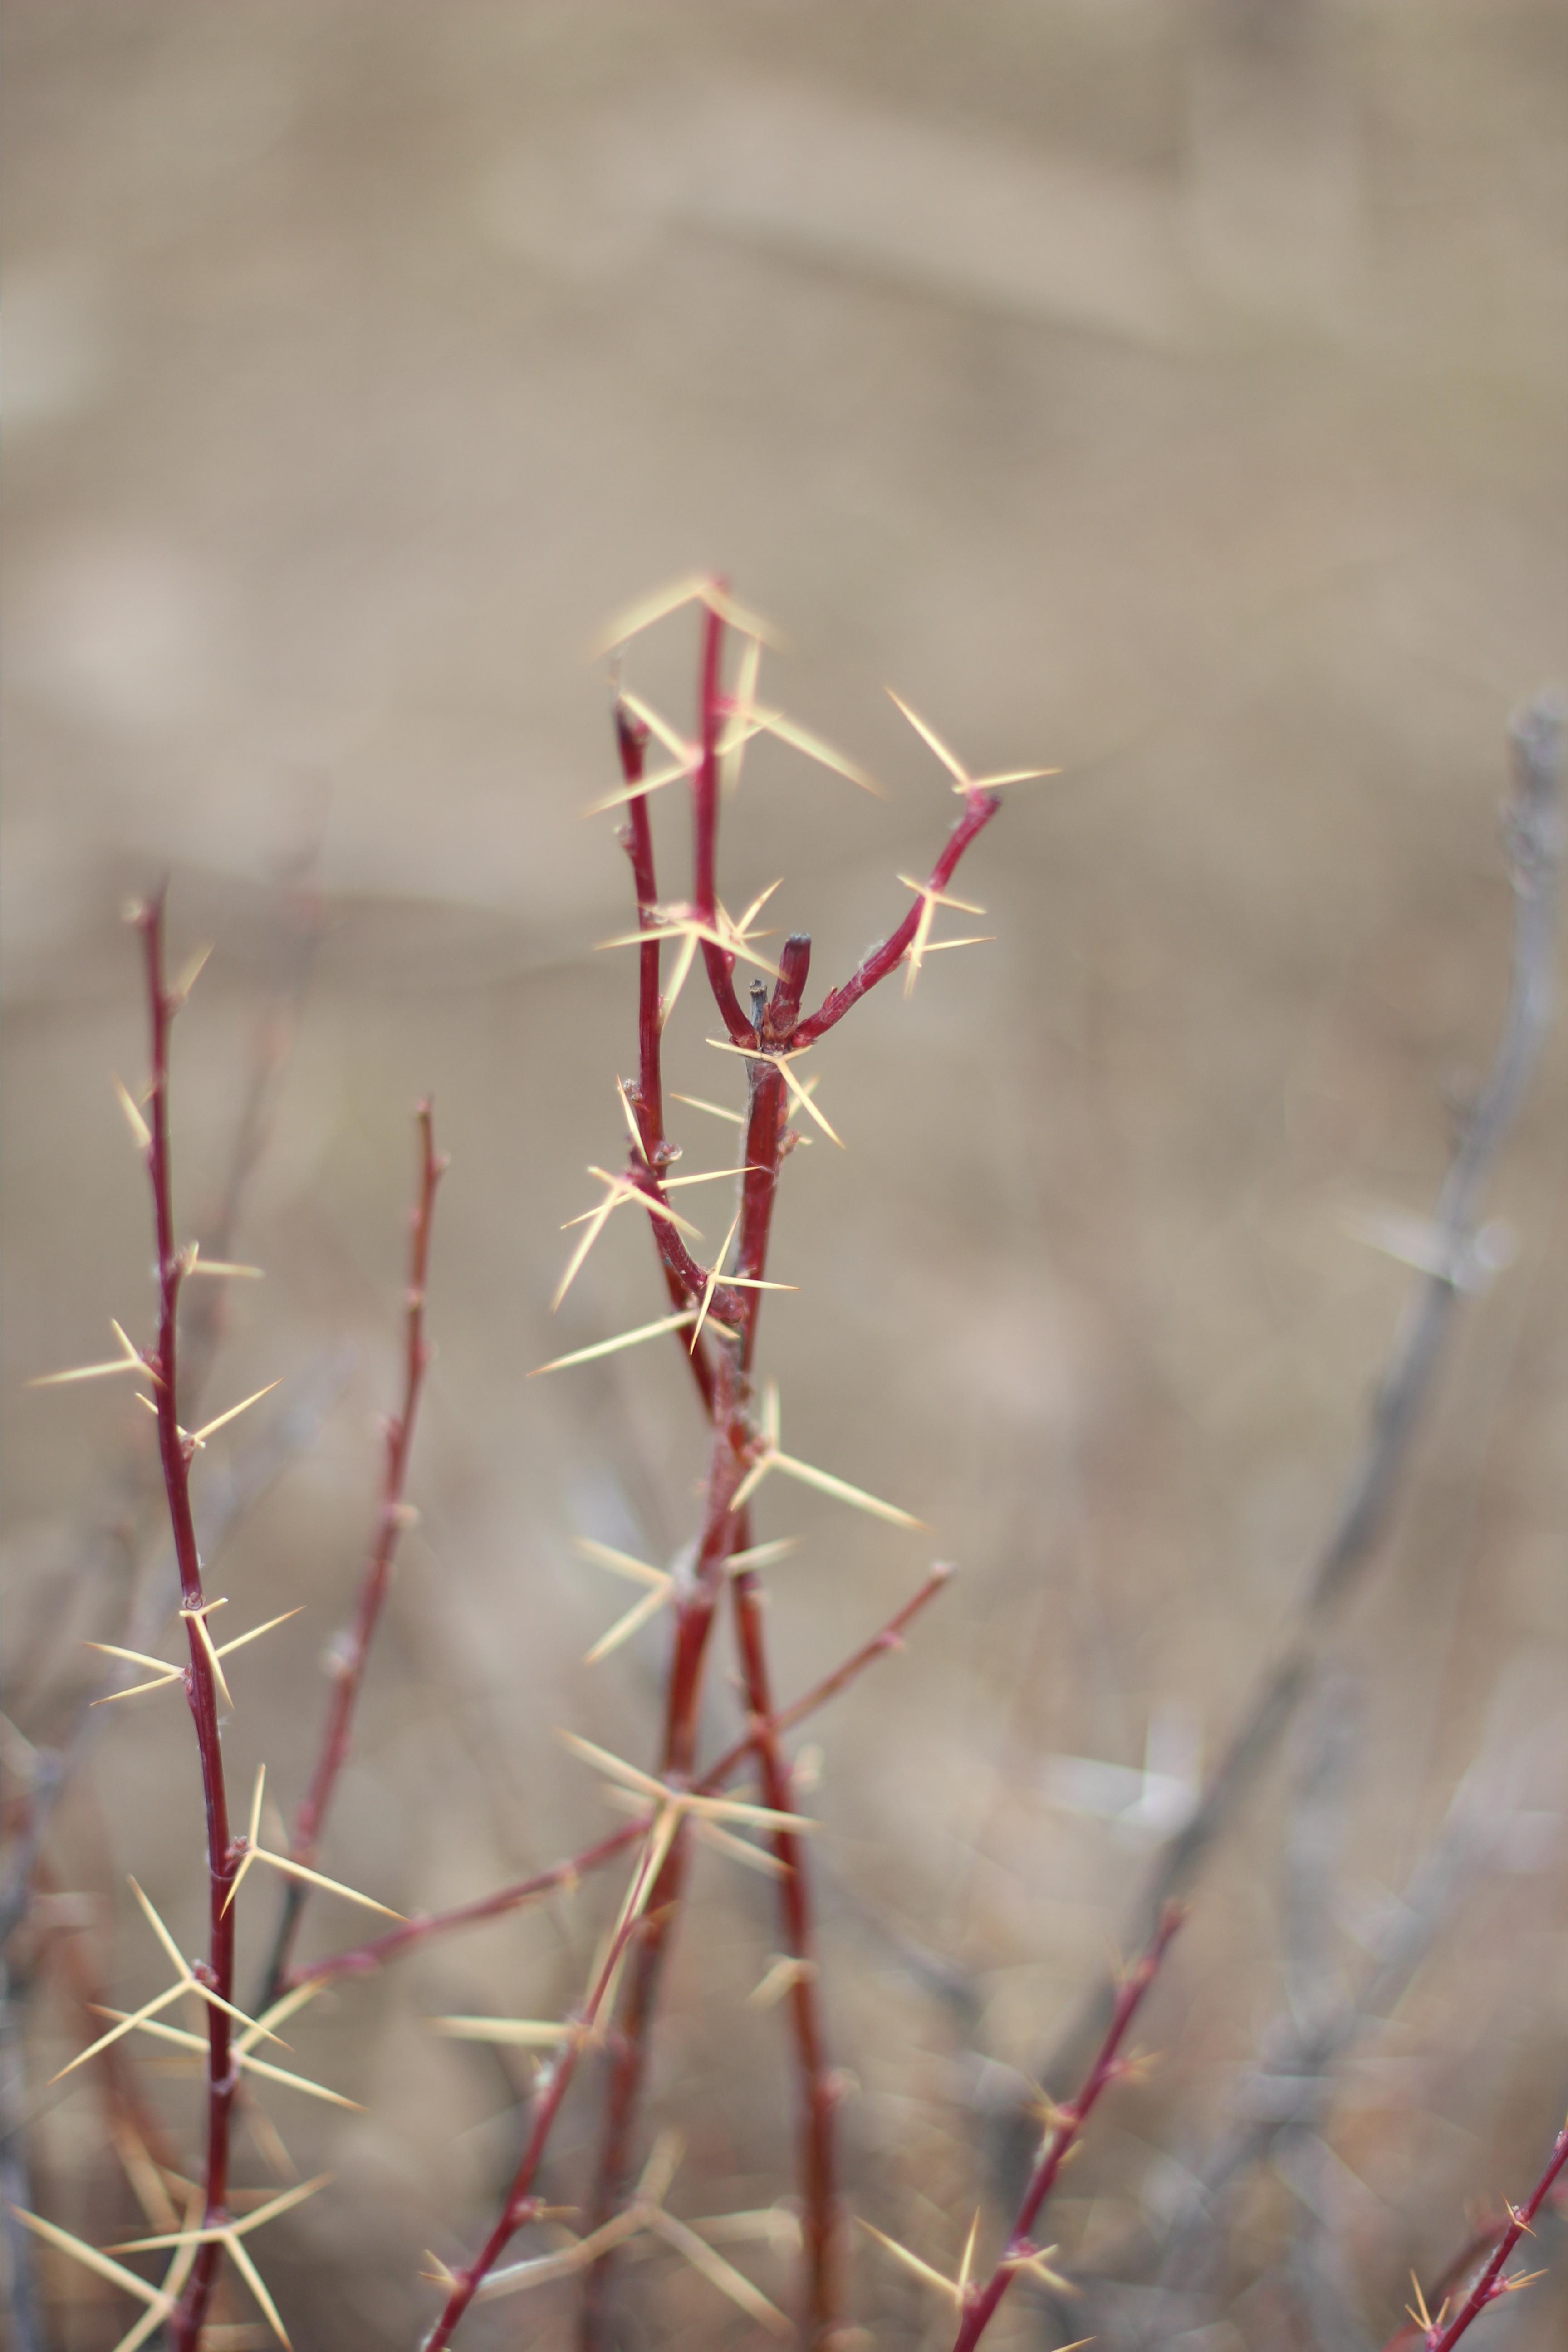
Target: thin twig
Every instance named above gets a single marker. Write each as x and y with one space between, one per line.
1062 2131
353 1648
1533 840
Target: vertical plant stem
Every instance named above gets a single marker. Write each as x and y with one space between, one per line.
175 1453
1490 2286
1061 2134
818 2089
353 1648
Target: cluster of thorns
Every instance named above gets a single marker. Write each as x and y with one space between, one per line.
713 1313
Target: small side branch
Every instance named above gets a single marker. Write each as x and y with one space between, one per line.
1061 2134
1533 839
353 1648
1437 2334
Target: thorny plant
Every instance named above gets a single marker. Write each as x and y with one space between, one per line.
713 1319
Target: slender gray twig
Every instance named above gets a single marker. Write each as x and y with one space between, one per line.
1534 841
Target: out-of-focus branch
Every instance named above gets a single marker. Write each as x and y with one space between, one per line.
1533 840
353 1649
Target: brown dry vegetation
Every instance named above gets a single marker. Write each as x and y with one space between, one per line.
1174 395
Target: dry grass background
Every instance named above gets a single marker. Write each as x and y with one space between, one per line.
1174 393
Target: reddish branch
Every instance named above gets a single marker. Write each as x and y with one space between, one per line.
175 1450
722 1360
1066 2124
566 1876
352 1647
1491 2286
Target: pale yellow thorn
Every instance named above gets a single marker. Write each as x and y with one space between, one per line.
690 928
684 960
739 1849
739 1809
631 1119
539 2269
201 1436
198 1618
755 908
803 1101
841 1489
982 940
661 1837
771 2222
967 2260
916 950
192 973
800 740
171 1948
333 1885
437 2274
597 1219
663 2164
226 1648
676 745
718 2273
625 1189
128 1361
183 2038
134 1689
912 2262
963 781
137 1658
609 1347
953 766
763 1555
712 1284
1038 2265
787 1971
240 2256
517 2032
137 2017
673 774
252 1838
940 898
695 1102
189 1981
145 2177
84 1372
625 1627
616 1768
743 724
281 2009
799 1094
140 1131
712 1175
655 606
225 1266
621 1563
225 2230
92 2259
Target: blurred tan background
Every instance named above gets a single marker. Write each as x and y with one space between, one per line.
1172 394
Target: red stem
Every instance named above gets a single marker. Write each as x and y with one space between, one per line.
682 1275
175 1450
819 2090
353 1649
1491 2286
979 808
718 963
554 2082
724 1380
1066 2126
